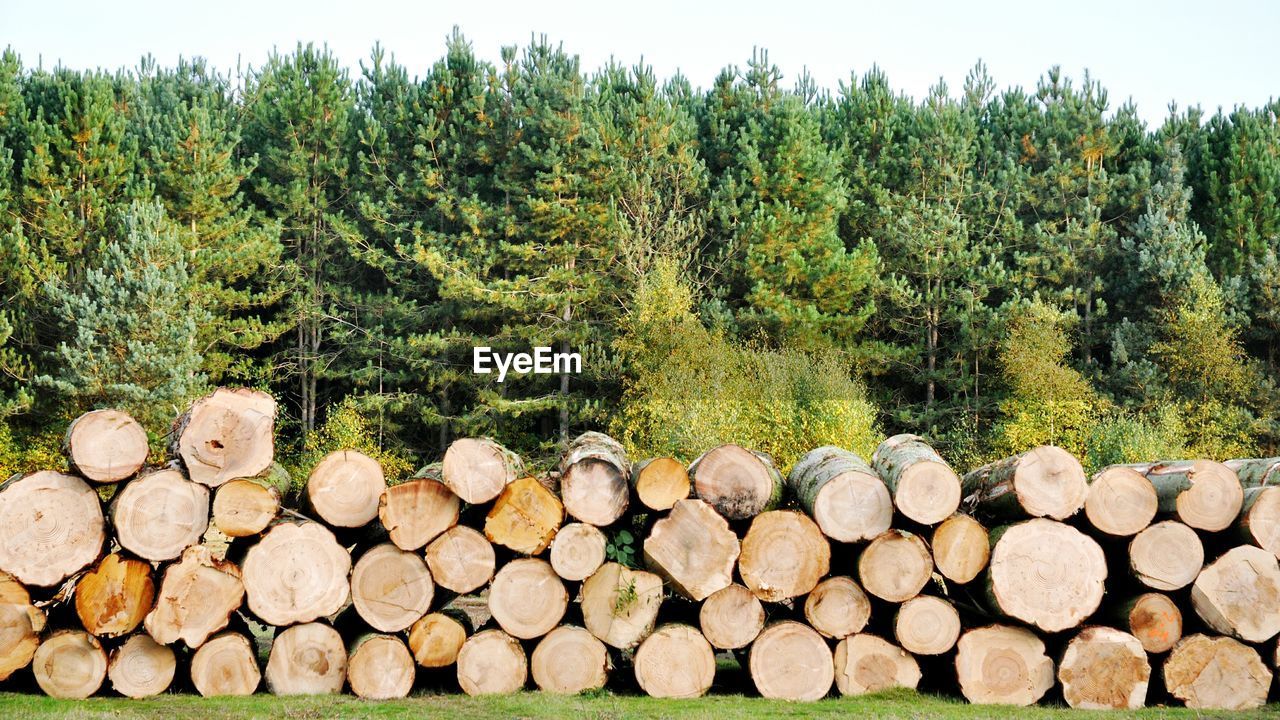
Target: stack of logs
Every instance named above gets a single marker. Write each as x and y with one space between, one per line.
1147 583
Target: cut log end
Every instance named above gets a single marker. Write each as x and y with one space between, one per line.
895 566
1166 556
196 599
436 639
160 514
114 597
693 548
492 663
1239 594
345 488
867 664
391 588
577 551
226 665
307 659
843 494
961 548
784 555
524 517
595 479
620 605
106 446
1104 669
461 559
928 492
738 483
242 508
1214 499
1216 673
791 661
226 435
731 618
569 660
51 527
418 511
1121 502
476 469
660 483
527 598
1261 522
1047 574
1050 483
298 572
70 664
837 607
141 667
927 625
1002 665
20 626
381 668
1155 620
676 661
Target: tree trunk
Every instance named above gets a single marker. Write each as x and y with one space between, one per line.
925 488
1166 556
676 661
1121 501
391 588
70 664
297 573
160 514
197 596
1256 472
1003 665
436 639
1152 618
784 555
51 527
20 626
527 598
1239 594
961 548
1104 669
1259 523
114 597
1046 481
476 469
731 618
492 663
791 661
105 446
247 506
620 605
927 625
660 482
307 659
843 494
837 608
577 551
594 474
141 667
1216 673
524 517
693 549
895 566
867 664
568 661
226 665
737 482
379 667
461 559
1205 495
1045 574
345 488
227 434
418 511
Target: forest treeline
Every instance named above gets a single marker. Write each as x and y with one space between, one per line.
763 261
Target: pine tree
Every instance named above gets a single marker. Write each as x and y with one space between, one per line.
13 362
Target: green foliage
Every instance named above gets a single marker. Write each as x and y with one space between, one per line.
1127 438
24 451
621 549
345 427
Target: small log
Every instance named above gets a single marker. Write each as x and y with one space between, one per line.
594 479
837 608
1216 673
961 548
842 493
1153 618
436 639
693 549
297 573
1003 665
660 482
391 588
226 665
51 527
1045 574
927 625
461 560
476 469
895 566
227 434
20 626
1239 594
524 517
345 488
307 659
1045 481
160 514
114 597
492 663
784 555
791 661
70 664
1204 494
569 660
379 667
1121 502
197 596
1166 556
577 550
247 506
737 482
105 446
527 598
925 488
675 662
620 605
866 663
1104 669
141 667
1259 521
731 618
417 511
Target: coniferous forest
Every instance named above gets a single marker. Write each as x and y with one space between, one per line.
762 260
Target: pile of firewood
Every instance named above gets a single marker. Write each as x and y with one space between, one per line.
1145 584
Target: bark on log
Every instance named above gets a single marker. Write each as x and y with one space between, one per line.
105 446
693 549
307 659
620 605
345 488
1256 472
961 548
1153 618
197 596
676 661
1104 669
737 482
569 660
1046 574
70 664
731 618
1003 665
247 506
1166 556
1239 594
577 551
1216 673
842 493
226 665
160 514
227 434
391 588
1259 521
379 667
925 488
51 527
1121 501
1045 481
660 482
436 639
527 598
1205 495
461 559
895 566
141 667
476 469
114 597
784 555
791 661
418 511
594 479
927 625
20 626
866 663
837 608
524 517
492 663
297 573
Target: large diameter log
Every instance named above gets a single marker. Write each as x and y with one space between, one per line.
1204 494
1259 523
842 493
227 434
226 665
307 659
298 572
1046 574
418 511
461 559
160 514
114 597
693 549
1166 556
391 588
141 667
837 607
1045 481
895 566
1003 665
1154 619
492 663
51 527
21 623
961 548
731 618
927 625
345 488
577 550
620 605
660 482
1104 669
784 555
70 664
524 517
476 469
1239 594
105 446
436 639
247 506
1121 502
925 488
594 479
380 667
527 598
569 660
866 664
1216 673
197 596
737 482
675 662
791 661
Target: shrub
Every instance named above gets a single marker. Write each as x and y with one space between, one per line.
346 427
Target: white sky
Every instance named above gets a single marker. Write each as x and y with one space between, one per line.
1208 53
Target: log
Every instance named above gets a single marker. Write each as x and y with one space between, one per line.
1216 673
620 605
1153 618
20 626
1166 556
379 667
69 664
492 663
345 488
113 598
527 598
1259 521
693 549
675 662
866 663
577 551
1121 502
307 659
225 665
731 618
247 506
461 560
436 639
105 446
791 661
197 596
160 514
569 660
391 588
524 517
297 573
141 667
417 511
1256 472
737 482
1003 665
784 555
842 493
1204 494
895 566
1045 574
476 469
227 434
1239 594
1104 668
961 548
594 479
660 482
927 625
1045 481
925 488
51 527
837 608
